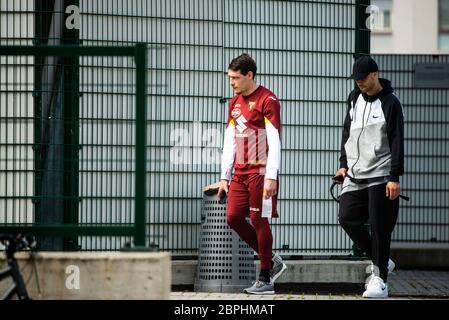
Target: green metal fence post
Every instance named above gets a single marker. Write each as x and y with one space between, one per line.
362 33
71 131
362 47
141 133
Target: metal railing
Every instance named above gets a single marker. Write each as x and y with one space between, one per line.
304 51
425 219
71 164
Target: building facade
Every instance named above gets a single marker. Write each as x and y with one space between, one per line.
409 26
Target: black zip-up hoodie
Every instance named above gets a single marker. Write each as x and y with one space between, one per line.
372 143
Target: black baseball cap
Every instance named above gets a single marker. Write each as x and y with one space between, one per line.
362 67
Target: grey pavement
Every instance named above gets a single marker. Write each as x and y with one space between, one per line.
243 296
403 284
419 283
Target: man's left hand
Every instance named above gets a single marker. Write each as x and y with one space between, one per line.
270 188
392 190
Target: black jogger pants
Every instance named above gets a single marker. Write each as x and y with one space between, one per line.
370 205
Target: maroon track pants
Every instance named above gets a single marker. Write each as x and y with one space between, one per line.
245 199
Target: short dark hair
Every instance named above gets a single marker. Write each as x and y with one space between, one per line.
243 63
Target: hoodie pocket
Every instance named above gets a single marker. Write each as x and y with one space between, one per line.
351 150
381 152
368 158
372 155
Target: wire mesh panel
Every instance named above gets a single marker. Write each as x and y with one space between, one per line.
16 140
17 22
304 53
16 115
75 116
185 84
63 172
426 217
107 114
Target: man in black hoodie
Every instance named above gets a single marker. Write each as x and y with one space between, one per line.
371 162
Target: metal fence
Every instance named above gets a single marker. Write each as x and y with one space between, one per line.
426 217
304 51
71 164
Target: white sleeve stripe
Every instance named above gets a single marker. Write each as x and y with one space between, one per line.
274 152
228 156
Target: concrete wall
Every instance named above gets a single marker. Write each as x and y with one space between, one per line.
298 271
97 275
421 255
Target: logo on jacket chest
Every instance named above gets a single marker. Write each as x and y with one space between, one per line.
236 111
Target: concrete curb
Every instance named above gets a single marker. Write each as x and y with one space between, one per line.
298 271
96 275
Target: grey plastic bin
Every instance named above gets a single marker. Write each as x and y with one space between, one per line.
225 262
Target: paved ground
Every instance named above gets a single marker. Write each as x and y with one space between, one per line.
403 284
242 296
416 283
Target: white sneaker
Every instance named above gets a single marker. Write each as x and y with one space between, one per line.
376 288
391 266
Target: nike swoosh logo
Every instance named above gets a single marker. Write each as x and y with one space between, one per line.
376 117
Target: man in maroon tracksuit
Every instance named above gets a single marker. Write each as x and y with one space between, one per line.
252 147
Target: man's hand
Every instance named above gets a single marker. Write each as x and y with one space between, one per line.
392 190
270 188
341 172
223 189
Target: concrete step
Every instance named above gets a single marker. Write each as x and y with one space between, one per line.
298 271
94 275
420 255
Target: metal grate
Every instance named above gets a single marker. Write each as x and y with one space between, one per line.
425 218
304 50
225 262
69 160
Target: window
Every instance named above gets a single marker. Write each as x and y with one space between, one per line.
386 20
381 16
443 24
